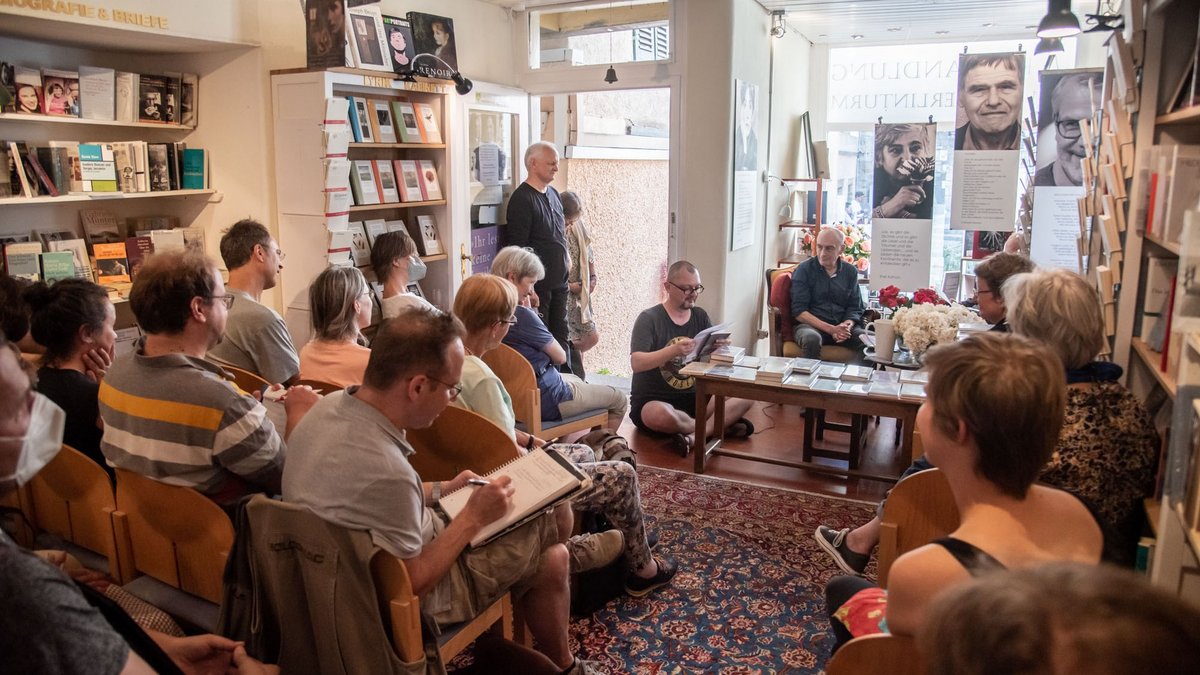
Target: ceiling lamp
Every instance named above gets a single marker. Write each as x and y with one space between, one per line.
1048 46
1059 21
778 29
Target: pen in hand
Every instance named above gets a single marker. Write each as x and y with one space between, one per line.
478 481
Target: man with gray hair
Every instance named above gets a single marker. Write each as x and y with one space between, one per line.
826 303
535 221
1073 99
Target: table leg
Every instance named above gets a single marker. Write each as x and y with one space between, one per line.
699 447
906 444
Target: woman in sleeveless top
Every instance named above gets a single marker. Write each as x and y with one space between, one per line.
994 410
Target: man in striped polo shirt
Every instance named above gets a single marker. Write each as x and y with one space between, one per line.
173 416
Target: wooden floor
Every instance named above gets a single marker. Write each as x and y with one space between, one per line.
778 432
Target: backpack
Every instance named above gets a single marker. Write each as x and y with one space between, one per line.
610 447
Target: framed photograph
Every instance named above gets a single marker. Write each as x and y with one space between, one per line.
415 288
325 28
367 41
400 44
430 243
433 37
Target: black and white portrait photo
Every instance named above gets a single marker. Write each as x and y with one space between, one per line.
1067 98
745 138
990 92
433 36
904 161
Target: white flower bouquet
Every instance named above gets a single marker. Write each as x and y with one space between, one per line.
922 326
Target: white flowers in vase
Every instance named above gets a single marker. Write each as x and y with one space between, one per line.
924 325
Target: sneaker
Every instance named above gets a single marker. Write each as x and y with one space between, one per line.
581 667
593 551
638 587
833 542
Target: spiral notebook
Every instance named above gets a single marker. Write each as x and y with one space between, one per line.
542 479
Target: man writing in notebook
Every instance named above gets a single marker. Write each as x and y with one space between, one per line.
369 484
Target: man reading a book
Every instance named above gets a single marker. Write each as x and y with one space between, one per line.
663 400
826 303
349 465
256 338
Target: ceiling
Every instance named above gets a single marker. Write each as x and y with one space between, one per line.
836 21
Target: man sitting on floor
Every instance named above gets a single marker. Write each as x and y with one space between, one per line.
369 484
173 416
826 303
256 338
664 401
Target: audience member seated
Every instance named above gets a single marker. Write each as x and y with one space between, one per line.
485 303
563 395
990 276
396 263
340 302
256 338
1061 618
14 314
369 484
1108 449
51 624
827 305
663 401
993 413
171 415
73 320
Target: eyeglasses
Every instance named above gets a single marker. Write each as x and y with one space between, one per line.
227 299
1068 128
279 252
454 389
512 320
688 290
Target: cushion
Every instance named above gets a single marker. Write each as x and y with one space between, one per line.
781 299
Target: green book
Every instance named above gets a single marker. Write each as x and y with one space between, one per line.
195 169
58 265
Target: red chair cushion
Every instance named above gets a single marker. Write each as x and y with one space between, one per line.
781 299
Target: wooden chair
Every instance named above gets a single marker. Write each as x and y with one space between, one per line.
919 509
880 654
402 614
21 517
458 440
520 382
319 386
178 539
245 380
72 498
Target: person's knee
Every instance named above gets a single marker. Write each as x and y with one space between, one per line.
660 417
556 563
809 341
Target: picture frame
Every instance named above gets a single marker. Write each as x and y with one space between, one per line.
367 40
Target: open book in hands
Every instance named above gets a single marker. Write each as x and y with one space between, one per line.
541 479
706 341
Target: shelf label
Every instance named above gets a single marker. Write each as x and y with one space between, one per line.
377 81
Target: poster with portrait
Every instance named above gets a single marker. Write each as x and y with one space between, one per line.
987 140
325 27
745 164
433 39
400 44
902 204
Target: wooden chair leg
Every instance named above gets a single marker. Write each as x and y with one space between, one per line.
820 427
899 432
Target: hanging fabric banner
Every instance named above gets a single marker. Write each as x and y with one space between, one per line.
902 205
745 165
1068 97
991 88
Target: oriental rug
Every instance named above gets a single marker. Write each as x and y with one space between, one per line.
748 597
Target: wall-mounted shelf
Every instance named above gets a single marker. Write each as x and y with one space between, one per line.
213 195
396 205
1184 116
63 119
400 146
1169 247
1152 360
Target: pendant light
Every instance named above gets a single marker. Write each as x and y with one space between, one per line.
1059 21
1049 46
611 76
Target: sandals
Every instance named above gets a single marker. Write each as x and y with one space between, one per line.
682 444
743 428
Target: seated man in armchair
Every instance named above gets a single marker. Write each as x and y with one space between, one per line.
826 302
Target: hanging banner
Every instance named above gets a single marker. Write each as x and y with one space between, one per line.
745 165
902 205
991 88
1067 98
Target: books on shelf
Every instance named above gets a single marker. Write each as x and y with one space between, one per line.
97 93
381 122
100 226
408 180
112 263
431 188
360 248
60 92
374 228
195 169
360 120
21 260
727 354
427 120
406 122
97 168
57 265
137 249
340 248
79 255
431 243
385 181
362 182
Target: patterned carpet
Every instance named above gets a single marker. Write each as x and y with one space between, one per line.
748 596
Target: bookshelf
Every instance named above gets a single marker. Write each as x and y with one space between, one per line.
798 199
298 100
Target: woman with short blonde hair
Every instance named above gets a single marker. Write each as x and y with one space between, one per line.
340 304
1059 308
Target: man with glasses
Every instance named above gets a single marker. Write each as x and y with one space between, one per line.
173 416
662 400
990 276
1073 99
826 302
256 338
368 484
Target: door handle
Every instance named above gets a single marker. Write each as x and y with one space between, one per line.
465 259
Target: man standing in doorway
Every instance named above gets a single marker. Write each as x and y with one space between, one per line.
989 92
535 221
826 303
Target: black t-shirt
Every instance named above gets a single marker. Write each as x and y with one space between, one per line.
76 394
535 220
652 331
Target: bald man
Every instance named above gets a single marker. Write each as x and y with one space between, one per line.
826 302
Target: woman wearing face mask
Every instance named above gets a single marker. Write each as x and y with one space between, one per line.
340 301
73 319
396 264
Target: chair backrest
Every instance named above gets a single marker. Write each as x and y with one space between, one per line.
458 440
779 304
73 498
880 654
919 509
401 608
171 533
245 380
520 382
321 387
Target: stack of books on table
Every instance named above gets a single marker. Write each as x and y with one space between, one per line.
884 384
773 370
912 385
728 354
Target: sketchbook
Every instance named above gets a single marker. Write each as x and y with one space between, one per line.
541 479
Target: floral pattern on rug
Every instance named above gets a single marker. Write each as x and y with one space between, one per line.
749 595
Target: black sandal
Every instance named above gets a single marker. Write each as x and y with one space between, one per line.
681 444
743 428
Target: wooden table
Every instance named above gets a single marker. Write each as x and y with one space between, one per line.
722 388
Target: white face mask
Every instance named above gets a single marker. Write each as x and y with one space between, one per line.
39 445
416 269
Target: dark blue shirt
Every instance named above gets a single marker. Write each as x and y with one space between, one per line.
528 336
535 220
830 299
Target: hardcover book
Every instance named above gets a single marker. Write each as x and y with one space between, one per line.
152 90
383 121
359 248
28 83
195 169
360 116
325 32
427 118
79 255
406 122
22 174
43 178
136 250
430 186
100 226
76 173
166 240
388 192
399 43
97 168
97 93
126 100
170 111
189 100
60 92
430 243
57 164
374 227
112 265
367 39
433 38
123 161
408 180
159 169
362 180
57 265
21 260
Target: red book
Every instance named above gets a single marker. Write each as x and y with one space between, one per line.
41 173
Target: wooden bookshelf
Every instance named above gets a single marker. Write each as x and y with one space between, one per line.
398 146
1169 247
1185 116
1152 359
63 119
396 205
213 195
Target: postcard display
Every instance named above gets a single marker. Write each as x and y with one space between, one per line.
902 205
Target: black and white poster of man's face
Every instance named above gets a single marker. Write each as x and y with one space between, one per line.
1067 98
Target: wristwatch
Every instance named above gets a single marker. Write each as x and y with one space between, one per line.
529 443
436 493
